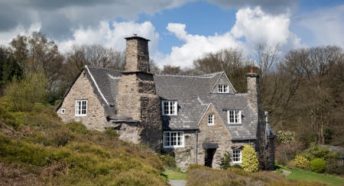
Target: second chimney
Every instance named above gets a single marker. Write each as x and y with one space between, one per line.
137 55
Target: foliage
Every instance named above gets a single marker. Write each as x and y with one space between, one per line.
68 154
168 161
23 94
316 151
285 137
9 68
318 165
211 177
301 162
249 159
225 161
231 61
309 176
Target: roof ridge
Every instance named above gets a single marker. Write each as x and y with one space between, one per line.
211 75
103 68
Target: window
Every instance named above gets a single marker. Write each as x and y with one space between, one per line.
211 119
234 116
173 139
80 107
169 108
222 88
236 156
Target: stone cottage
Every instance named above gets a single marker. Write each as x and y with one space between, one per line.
196 118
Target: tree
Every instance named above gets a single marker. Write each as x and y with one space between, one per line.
37 54
9 68
98 56
169 69
23 94
230 61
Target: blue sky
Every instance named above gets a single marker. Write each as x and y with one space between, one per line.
180 30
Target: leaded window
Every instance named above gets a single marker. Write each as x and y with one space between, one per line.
80 107
173 139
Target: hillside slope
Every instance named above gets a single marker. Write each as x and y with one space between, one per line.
36 148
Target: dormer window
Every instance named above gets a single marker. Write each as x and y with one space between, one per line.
222 88
234 116
169 108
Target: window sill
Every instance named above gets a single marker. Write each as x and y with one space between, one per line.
173 147
80 115
234 124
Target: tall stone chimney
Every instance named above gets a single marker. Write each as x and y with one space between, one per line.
136 99
252 88
137 56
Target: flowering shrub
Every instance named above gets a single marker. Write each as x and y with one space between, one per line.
249 159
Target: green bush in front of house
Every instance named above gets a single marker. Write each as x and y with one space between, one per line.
249 159
318 165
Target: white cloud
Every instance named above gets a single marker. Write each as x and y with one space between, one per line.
195 46
7 36
259 27
253 27
111 35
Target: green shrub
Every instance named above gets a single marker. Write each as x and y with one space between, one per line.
316 151
318 165
77 127
249 159
301 162
225 161
23 94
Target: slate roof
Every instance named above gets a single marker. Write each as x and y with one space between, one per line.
193 94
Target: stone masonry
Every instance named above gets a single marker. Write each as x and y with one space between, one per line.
95 119
137 97
215 134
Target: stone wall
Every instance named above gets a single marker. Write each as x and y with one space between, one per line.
137 99
82 89
185 156
193 151
216 134
151 123
128 98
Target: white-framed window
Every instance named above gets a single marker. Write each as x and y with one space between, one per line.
169 108
234 116
173 139
222 88
211 119
236 156
80 107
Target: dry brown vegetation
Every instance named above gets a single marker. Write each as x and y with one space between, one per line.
36 148
237 177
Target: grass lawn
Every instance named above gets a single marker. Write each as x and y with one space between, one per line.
304 175
174 174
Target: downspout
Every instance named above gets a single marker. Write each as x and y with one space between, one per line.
196 149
